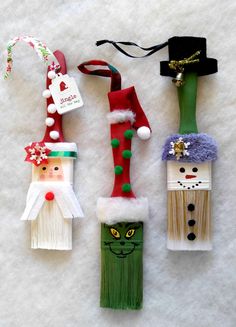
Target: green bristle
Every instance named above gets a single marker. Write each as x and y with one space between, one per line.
122 275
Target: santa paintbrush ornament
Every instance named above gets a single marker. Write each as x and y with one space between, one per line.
51 202
122 214
189 154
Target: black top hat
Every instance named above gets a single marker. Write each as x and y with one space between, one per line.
184 47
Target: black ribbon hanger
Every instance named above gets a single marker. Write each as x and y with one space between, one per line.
151 50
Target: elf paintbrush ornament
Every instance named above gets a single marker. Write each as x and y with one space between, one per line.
189 154
122 214
51 203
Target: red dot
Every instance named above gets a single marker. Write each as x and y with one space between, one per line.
49 196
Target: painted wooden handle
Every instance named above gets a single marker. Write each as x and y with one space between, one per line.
187 95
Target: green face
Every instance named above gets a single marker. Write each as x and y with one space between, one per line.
122 239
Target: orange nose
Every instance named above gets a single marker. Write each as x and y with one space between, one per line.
190 176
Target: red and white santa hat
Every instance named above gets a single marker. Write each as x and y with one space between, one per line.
53 143
125 114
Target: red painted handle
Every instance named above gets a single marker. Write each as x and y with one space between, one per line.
56 116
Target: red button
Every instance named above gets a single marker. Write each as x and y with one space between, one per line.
49 196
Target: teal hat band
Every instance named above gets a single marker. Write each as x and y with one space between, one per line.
66 154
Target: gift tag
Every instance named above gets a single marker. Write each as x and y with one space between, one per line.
65 94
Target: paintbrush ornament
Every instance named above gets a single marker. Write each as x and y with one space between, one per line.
51 203
189 154
122 214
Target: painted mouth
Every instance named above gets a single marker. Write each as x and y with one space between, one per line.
121 254
190 176
188 187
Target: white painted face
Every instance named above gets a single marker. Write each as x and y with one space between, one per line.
188 176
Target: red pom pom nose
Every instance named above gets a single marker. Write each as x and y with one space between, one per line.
49 196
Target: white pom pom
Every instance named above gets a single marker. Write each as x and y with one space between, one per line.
52 74
49 121
54 135
144 133
52 108
46 94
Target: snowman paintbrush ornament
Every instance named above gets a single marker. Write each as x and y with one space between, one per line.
189 154
51 202
122 214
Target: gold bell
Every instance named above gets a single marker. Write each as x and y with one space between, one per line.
179 147
179 79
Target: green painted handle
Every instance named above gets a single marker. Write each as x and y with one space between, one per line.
187 95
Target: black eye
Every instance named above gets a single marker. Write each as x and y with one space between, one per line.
182 170
194 169
56 168
44 168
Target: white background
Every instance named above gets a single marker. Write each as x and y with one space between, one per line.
61 289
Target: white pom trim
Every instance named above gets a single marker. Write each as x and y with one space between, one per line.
46 93
144 133
54 135
119 209
52 74
121 116
49 121
52 108
62 146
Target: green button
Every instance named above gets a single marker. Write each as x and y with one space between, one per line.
128 134
115 143
118 170
126 187
127 154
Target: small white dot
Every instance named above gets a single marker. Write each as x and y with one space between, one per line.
54 135
46 94
52 108
49 121
52 74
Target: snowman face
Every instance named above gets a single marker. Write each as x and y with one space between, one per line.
52 172
188 176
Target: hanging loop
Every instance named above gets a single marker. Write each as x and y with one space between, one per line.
151 49
44 53
111 72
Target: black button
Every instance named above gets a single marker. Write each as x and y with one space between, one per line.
191 236
191 207
191 222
